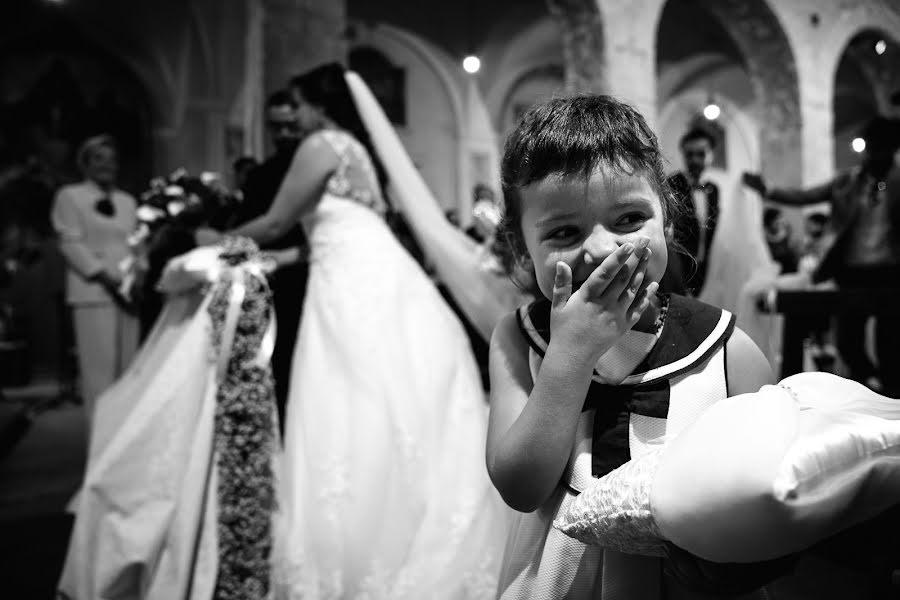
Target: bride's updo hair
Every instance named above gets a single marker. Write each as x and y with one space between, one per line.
325 87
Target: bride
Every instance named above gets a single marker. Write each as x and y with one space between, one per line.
384 493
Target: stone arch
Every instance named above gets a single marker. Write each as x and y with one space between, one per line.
84 76
535 46
864 82
770 63
858 19
543 73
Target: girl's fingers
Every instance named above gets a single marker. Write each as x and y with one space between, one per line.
604 275
562 285
641 303
618 285
633 289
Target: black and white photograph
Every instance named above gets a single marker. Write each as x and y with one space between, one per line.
430 300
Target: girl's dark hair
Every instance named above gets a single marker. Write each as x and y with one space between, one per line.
325 87
571 137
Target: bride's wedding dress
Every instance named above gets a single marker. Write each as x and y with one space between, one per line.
385 491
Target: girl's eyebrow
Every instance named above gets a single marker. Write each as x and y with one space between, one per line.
632 198
554 218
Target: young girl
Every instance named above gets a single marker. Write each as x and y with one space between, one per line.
603 367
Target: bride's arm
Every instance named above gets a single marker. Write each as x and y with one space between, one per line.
313 163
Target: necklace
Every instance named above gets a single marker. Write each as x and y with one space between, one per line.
661 316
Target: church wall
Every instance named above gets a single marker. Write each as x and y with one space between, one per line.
434 108
532 56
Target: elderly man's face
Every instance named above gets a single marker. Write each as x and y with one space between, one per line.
102 165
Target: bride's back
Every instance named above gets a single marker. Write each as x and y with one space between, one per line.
348 220
355 178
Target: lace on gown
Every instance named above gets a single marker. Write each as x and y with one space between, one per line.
353 156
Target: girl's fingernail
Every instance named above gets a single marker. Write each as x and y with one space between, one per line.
647 253
643 242
627 247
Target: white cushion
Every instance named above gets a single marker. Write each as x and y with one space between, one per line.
764 475
755 477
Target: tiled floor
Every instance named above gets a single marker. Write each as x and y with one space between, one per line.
38 476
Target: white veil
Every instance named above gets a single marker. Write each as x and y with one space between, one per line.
482 295
741 267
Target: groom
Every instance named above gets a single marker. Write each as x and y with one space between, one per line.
288 283
695 226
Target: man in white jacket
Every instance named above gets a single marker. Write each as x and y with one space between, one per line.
93 220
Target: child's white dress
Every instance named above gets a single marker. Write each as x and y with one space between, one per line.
666 381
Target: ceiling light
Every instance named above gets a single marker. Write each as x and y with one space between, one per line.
471 64
712 111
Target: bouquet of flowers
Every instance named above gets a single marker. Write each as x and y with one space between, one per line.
169 212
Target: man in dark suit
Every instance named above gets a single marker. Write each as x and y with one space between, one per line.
288 283
865 215
695 225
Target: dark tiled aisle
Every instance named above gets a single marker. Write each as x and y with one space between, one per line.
37 478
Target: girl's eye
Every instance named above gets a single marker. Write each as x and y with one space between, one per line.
631 220
561 233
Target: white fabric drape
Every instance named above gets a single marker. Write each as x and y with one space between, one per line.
741 267
483 294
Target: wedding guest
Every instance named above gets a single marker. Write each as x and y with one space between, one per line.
93 220
865 215
695 224
780 241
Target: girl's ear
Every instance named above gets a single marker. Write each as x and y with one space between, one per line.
524 263
670 233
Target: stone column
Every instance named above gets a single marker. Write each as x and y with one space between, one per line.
300 34
772 66
817 113
582 44
630 62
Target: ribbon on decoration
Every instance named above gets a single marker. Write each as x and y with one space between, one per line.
237 294
245 433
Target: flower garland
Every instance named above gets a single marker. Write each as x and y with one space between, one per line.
168 213
245 439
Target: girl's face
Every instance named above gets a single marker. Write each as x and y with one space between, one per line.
565 218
